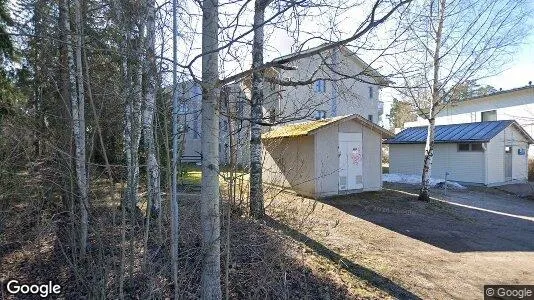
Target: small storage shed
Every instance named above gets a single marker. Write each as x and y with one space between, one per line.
325 157
489 153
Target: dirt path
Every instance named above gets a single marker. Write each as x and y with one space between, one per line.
439 250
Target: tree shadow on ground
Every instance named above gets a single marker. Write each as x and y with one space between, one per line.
449 226
383 283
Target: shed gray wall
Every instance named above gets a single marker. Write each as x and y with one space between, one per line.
327 158
310 165
289 163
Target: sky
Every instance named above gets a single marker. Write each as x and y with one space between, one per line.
518 72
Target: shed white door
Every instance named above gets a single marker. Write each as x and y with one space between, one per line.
508 163
350 161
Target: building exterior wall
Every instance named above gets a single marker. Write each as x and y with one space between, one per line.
515 105
519 162
234 102
327 161
486 167
327 158
372 160
340 96
284 104
406 159
289 163
310 164
495 156
495 159
461 166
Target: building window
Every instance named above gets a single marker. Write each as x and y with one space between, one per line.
240 108
490 115
371 92
320 86
320 114
194 131
370 118
473 147
272 85
477 147
197 92
272 115
182 109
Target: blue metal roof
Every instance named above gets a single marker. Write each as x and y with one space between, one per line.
455 133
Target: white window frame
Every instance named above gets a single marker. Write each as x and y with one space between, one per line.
490 112
320 114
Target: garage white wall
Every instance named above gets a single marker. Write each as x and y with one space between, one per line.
462 166
495 159
519 162
406 159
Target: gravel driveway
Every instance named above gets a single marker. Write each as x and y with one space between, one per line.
448 248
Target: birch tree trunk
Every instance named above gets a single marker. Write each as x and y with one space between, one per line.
132 77
78 115
154 190
175 225
427 165
429 146
209 207
256 114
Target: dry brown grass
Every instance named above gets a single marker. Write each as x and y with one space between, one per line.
38 236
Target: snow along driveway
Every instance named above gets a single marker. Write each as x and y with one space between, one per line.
416 179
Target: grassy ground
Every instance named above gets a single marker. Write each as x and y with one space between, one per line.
192 174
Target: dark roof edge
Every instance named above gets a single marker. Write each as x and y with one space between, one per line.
529 138
437 142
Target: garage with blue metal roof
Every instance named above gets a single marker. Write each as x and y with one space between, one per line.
489 153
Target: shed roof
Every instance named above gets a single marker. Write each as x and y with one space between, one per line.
311 127
480 132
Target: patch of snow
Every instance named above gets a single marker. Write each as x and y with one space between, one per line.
416 179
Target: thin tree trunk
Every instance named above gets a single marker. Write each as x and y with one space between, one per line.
209 206
78 117
97 118
153 175
429 146
257 209
429 154
175 228
148 114
231 200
